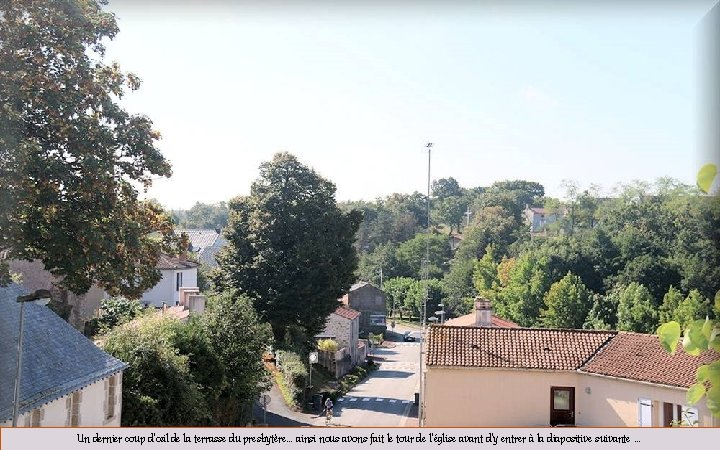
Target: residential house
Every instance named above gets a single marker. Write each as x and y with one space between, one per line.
343 326
371 303
66 380
81 308
177 272
205 243
523 377
539 218
455 240
482 317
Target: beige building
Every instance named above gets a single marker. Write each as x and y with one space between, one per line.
522 377
66 380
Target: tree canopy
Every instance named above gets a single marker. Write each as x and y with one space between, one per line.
290 246
71 159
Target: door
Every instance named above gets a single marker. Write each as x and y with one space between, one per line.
562 406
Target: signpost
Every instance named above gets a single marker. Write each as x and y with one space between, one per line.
265 401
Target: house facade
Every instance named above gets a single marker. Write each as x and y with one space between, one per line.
177 272
371 303
343 326
66 380
523 377
539 218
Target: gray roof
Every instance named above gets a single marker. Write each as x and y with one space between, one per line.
57 359
206 243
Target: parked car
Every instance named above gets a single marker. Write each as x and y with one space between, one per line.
407 337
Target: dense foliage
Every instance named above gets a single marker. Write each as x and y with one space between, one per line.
647 254
290 247
71 158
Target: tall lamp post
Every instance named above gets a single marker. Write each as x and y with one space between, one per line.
426 274
44 296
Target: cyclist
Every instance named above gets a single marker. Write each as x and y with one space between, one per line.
328 410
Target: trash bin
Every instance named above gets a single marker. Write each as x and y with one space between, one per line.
317 400
417 398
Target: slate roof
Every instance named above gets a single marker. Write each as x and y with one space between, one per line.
57 359
513 348
468 320
167 262
641 357
358 285
347 313
206 243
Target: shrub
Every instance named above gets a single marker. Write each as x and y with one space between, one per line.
294 373
327 345
113 312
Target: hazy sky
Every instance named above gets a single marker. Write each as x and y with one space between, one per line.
536 91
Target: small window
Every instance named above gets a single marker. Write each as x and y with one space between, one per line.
561 400
111 388
178 281
377 320
645 412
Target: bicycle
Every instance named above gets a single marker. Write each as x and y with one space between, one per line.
328 416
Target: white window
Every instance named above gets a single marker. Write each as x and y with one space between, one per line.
644 412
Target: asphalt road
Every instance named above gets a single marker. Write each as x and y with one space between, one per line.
386 397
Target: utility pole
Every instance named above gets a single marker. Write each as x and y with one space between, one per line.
426 274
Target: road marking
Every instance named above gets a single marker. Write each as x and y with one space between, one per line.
341 399
393 400
406 401
353 399
366 399
379 399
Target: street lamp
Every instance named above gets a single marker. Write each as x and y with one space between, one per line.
43 295
426 276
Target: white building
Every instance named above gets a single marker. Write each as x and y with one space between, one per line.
176 274
66 380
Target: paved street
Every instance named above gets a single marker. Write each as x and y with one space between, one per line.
386 397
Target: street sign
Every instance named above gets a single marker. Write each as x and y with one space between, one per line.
313 357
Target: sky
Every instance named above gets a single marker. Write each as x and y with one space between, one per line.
541 91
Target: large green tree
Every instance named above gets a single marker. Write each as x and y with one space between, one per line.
71 159
637 310
290 246
567 303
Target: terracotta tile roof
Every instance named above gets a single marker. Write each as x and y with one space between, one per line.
513 348
468 320
641 357
347 313
167 262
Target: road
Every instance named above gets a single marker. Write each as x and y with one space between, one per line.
386 397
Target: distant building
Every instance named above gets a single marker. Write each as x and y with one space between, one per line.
66 379
539 218
206 243
177 272
482 317
343 326
455 240
371 303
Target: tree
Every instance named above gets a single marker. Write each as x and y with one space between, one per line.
397 290
113 312
636 309
485 274
524 284
158 388
203 215
567 303
290 248
411 254
671 301
70 157
694 307
239 338
445 188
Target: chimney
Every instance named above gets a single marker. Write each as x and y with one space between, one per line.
483 312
